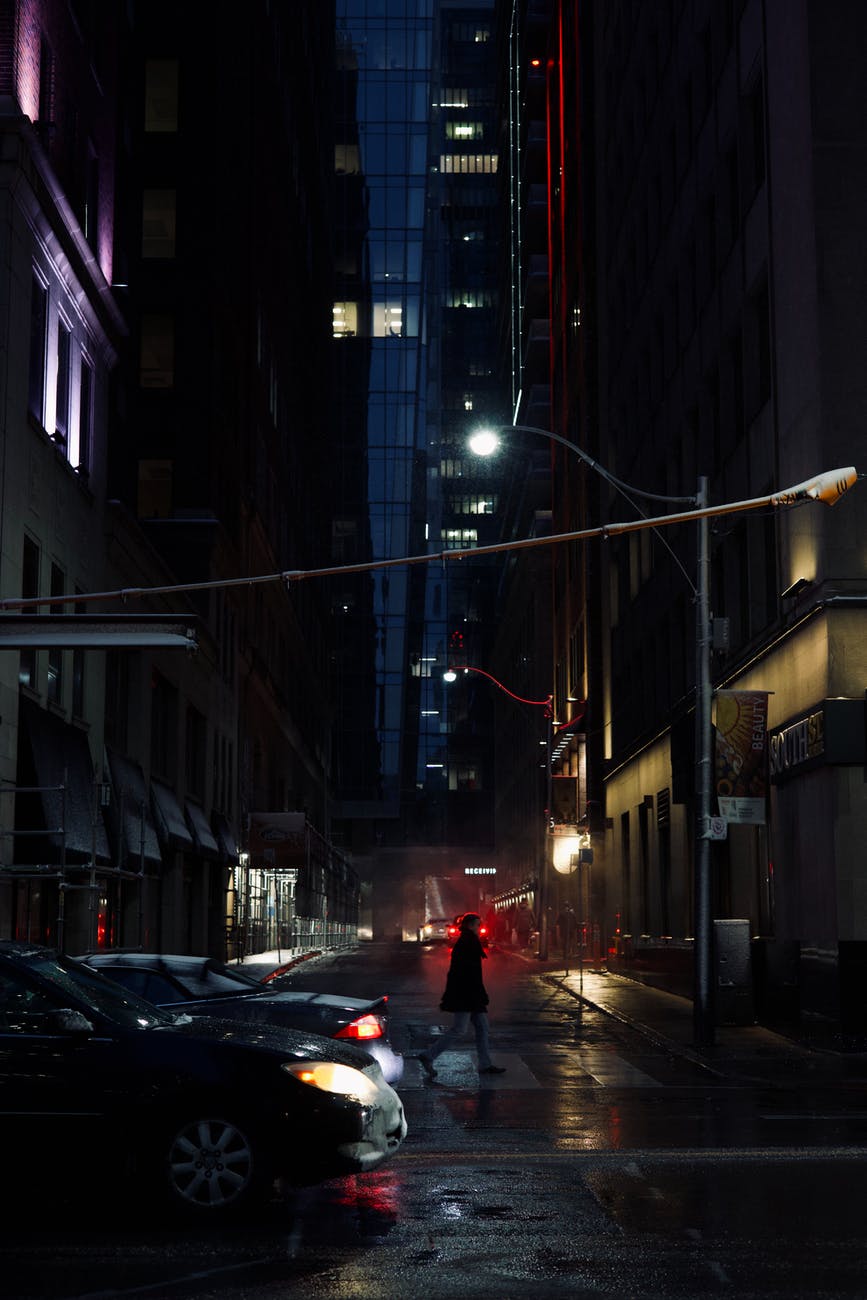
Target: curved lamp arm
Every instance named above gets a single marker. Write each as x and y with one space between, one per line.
547 703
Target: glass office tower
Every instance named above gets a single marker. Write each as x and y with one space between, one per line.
414 340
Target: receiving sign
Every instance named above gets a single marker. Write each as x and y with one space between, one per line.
741 776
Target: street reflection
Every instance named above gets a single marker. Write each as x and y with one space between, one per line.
359 1210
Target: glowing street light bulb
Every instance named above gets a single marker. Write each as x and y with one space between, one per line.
484 442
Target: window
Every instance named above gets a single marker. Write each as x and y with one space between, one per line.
157 352
29 589
117 698
196 741
344 316
472 505
464 130
161 95
468 163
456 539
85 417
164 713
158 223
38 343
155 489
55 654
347 160
78 669
61 402
469 298
464 776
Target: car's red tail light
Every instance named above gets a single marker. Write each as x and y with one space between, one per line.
483 930
363 1029
453 931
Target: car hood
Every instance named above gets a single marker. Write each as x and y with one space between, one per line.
270 1038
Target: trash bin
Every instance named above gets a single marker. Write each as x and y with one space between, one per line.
733 973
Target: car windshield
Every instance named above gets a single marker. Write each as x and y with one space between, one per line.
98 992
217 978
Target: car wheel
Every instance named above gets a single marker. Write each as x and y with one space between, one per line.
212 1166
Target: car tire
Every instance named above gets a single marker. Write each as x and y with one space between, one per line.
212 1165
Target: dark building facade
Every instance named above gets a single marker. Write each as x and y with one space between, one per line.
169 196
705 215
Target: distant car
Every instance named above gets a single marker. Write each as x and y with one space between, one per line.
454 930
207 1113
436 930
202 986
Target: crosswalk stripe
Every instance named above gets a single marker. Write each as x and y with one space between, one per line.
458 1070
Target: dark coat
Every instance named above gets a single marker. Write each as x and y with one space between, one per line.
465 990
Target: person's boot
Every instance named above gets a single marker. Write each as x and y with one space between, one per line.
427 1066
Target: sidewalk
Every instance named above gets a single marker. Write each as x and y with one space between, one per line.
666 1019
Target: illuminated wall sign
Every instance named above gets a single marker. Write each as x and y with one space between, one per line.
796 744
832 732
480 871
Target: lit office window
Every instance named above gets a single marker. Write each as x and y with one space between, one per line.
344 320
466 164
456 539
464 131
472 505
347 160
469 298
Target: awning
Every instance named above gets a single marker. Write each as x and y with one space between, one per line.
130 813
171 827
225 838
203 837
59 756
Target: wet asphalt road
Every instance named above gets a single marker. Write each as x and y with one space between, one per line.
599 1164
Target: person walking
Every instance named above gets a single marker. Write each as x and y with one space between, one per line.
467 998
567 924
525 924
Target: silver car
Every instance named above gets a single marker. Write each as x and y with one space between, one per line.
202 986
435 930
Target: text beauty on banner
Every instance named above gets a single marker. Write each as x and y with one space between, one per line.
742 755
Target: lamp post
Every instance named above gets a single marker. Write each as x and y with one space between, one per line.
828 488
547 704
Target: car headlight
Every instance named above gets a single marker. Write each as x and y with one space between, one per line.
329 1076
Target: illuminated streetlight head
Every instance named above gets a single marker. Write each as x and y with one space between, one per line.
484 442
450 675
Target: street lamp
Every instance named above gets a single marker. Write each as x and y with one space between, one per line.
828 488
451 675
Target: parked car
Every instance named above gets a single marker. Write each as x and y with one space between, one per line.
202 986
205 1112
435 930
454 930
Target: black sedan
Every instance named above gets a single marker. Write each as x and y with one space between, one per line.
206 1113
203 986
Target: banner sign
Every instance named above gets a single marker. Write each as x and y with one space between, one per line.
741 777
